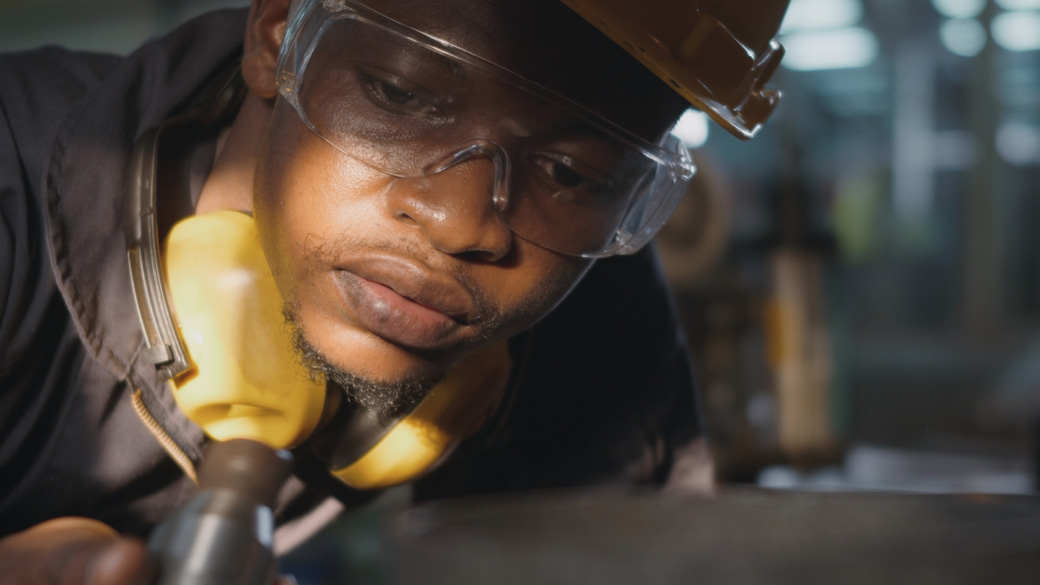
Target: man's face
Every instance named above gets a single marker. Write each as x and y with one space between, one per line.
391 278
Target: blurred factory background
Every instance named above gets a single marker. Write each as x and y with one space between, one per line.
861 283
870 314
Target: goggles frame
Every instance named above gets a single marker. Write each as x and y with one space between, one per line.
648 208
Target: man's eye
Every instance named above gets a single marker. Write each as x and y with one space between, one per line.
564 172
566 176
396 95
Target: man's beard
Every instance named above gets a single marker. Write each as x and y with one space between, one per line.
387 399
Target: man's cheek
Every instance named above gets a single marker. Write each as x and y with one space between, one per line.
272 240
283 232
543 293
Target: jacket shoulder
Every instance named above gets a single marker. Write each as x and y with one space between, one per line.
37 91
52 72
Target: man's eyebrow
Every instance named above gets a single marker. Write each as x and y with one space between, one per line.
577 129
421 46
516 127
384 44
427 60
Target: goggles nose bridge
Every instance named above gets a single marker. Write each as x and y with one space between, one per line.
486 148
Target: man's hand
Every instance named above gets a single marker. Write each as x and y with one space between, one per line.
73 551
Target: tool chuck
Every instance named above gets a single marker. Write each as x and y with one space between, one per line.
223 535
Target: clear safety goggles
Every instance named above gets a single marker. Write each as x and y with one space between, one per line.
411 105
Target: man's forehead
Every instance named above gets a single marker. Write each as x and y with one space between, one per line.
546 42
466 23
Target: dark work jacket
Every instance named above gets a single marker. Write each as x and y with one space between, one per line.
602 391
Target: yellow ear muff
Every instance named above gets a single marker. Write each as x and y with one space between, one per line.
453 410
246 381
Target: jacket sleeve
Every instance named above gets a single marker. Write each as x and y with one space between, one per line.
37 363
31 307
38 88
23 260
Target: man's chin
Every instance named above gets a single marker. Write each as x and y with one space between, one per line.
388 398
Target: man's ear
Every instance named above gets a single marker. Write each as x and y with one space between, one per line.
264 34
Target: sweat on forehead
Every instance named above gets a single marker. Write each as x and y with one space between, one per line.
546 42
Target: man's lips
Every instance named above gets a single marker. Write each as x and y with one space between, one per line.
404 303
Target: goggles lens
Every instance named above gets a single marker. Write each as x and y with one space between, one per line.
410 105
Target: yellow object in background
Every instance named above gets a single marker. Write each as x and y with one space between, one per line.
246 381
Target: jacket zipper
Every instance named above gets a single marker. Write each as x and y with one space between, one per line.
176 453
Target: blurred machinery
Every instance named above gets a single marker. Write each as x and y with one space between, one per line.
760 339
720 315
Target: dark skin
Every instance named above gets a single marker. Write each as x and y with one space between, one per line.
323 218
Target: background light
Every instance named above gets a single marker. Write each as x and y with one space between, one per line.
692 128
844 48
1018 143
959 8
817 14
1017 31
1019 4
963 36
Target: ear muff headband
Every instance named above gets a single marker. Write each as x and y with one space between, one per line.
216 104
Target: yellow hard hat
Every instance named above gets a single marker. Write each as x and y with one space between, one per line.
718 54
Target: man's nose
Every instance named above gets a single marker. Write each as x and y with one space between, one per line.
458 204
